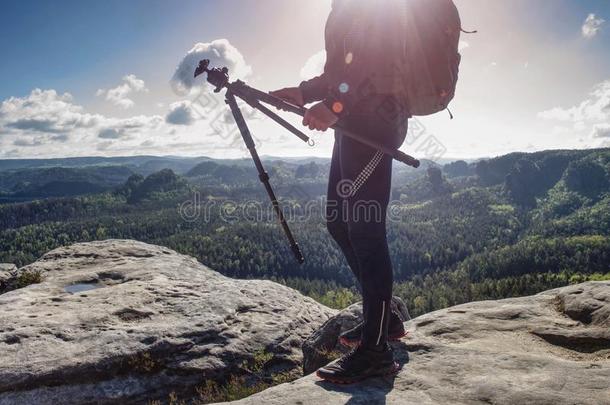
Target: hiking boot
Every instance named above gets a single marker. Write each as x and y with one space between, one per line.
359 364
396 331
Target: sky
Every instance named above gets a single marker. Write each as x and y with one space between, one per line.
112 78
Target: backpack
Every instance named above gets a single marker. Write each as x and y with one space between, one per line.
430 65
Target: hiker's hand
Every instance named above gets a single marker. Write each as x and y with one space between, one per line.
292 95
320 118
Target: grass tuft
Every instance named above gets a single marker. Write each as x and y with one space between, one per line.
27 278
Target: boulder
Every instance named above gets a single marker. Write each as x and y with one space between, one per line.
550 348
123 322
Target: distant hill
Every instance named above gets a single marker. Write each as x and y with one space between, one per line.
61 181
29 179
161 185
523 176
223 174
140 164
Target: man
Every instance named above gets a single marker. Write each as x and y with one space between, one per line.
360 85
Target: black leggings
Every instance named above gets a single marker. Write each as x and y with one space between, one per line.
358 196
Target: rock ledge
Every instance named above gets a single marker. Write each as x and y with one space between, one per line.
121 322
552 348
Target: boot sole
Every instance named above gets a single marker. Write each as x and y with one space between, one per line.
392 338
395 369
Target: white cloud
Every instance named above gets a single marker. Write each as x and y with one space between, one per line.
181 113
44 111
220 53
120 95
601 131
46 123
28 142
34 124
592 114
314 66
594 108
592 26
41 140
109 133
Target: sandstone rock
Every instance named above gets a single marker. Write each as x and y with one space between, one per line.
7 273
551 348
12 278
121 322
324 344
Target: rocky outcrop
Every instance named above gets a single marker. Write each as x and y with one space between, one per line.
120 322
551 348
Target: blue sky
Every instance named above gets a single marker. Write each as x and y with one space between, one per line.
530 79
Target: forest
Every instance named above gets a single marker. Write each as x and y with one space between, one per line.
488 229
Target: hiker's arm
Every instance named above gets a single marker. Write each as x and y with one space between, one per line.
315 89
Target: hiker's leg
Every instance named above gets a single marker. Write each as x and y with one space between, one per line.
370 173
336 221
367 235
